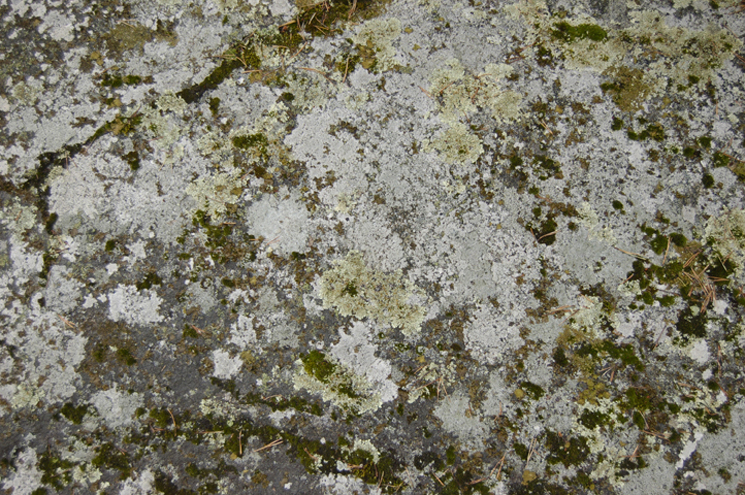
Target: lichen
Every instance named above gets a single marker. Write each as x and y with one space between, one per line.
353 289
375 42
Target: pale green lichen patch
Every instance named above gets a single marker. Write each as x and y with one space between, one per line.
217 194
375 43
458 145
353 289
459 94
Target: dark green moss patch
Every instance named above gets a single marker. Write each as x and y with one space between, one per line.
133 159
592 419
521 450
55 471
568 33
317 366
150 279
720 159
125 356
214 105
251 141
533 391
690 325
73 413
111 457
707 180
571 451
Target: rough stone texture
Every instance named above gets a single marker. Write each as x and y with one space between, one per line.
372 247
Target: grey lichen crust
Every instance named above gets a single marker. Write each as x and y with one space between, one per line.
371 246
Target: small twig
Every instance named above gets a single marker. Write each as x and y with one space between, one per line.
438 479
175 426
351 11
66 322
315 458
664 259
635 255
311 69
346 69
530 451
269 445
546 235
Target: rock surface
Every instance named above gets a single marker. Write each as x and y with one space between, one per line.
372 247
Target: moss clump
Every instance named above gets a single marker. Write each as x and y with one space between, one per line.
707 180
569 452
568 33
720 159
251 141
110 457
56 472
125 356
73 413
214 106
317 366
534 391
627 88
150 279
691 325
133 159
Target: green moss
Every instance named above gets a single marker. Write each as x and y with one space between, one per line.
705 142
592 419
74 414
720 159
678 239
667 301
214 105
707 180
150 279
125 356
560 357
450 455
133 159
189 332
624 352
111 457
627 88
568 33
56 472
249 141
690 325
617 124
568 451
659 244
317 366
521 450
110 245
534 391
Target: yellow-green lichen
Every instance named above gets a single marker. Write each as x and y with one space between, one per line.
219 193
458 145
375 43
459 94
353 289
